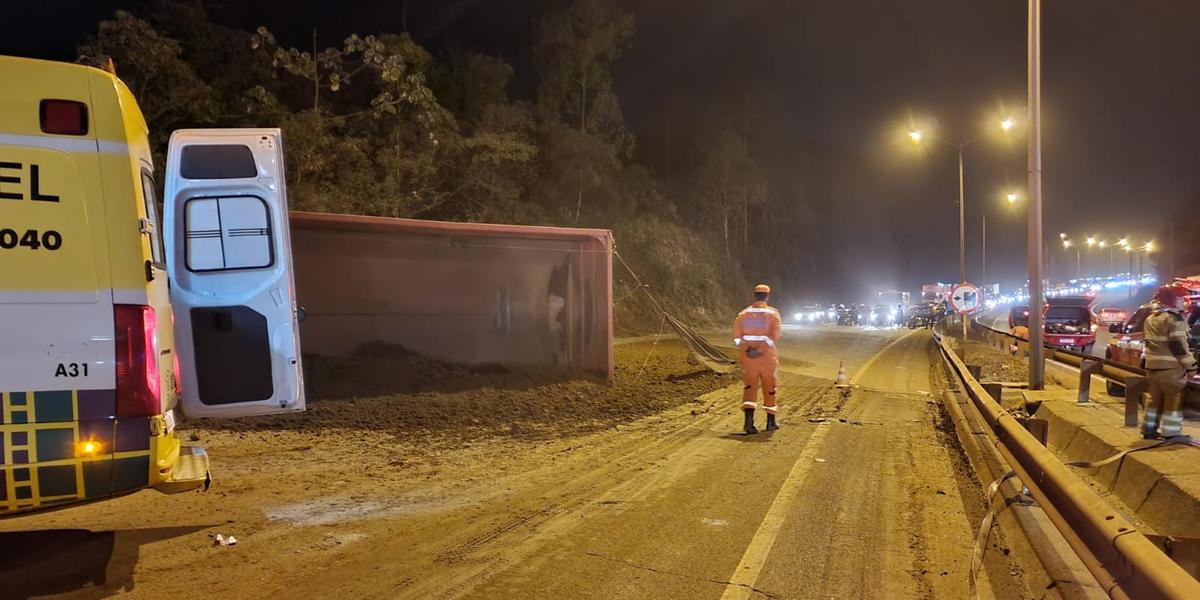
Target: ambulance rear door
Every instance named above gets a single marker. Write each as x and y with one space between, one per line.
230 267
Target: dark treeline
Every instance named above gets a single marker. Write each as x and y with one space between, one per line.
380 126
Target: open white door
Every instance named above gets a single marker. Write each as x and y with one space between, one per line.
230 266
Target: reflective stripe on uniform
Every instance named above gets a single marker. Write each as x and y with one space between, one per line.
771 410
759 338
755 309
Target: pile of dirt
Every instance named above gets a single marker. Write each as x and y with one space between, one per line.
996 365
391 389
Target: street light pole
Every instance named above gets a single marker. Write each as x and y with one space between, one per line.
1034 242
962 242
962 222
983 274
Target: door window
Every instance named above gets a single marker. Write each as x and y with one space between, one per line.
155 232
227 234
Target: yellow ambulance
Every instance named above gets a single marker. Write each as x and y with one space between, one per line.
94 360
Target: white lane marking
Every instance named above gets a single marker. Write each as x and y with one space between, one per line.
748 569
863 371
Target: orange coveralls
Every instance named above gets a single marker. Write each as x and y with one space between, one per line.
757 328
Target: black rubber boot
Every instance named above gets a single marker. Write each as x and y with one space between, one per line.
771 426
749 428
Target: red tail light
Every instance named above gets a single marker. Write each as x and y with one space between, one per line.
175 362
138 390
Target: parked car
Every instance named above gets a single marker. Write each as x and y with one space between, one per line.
1127 345
1018 315
1110 316
1069 323
919 315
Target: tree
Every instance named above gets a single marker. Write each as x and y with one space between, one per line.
499 166
574 54
167 89
727 183
468 85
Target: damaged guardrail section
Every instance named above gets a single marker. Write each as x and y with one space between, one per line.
1120 557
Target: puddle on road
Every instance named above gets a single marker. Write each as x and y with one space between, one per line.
334 510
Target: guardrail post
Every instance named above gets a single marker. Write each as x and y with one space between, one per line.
1086 369
976 371
1040 428
1135 388
995 390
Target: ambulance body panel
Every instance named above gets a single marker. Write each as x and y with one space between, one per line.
88 363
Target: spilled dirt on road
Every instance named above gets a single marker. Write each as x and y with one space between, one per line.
388 434
389 389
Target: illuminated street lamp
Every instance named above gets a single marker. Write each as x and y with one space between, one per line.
1062 236
1091 240
1007 123
1011 197
917 136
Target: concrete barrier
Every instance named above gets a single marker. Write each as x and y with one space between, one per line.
1161 485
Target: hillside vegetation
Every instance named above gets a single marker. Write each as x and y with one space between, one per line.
379 125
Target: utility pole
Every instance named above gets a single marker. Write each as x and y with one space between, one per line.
1034 243
962 243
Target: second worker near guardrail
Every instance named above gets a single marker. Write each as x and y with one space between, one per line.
1168 363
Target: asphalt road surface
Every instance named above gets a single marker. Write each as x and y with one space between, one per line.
861 494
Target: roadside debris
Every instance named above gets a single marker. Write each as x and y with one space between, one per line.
221 540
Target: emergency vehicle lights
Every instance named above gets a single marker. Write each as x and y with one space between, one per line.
63 117
89 448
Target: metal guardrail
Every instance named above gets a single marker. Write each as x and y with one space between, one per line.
1122 559
1110 369
1132 379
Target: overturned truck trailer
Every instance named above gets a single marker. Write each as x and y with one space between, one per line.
468 293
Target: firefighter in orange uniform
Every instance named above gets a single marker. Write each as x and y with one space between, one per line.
755 332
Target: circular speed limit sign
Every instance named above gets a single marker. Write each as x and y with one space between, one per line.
965 298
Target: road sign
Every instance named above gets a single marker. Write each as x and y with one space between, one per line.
965 298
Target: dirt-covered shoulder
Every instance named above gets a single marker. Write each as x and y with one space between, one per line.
390 390
387 433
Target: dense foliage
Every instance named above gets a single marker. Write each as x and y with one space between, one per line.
380 126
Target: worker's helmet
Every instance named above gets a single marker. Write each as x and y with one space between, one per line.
1168 295
762 288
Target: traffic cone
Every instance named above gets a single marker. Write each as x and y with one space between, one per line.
842 380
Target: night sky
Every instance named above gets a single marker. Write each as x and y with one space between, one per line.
1121 103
